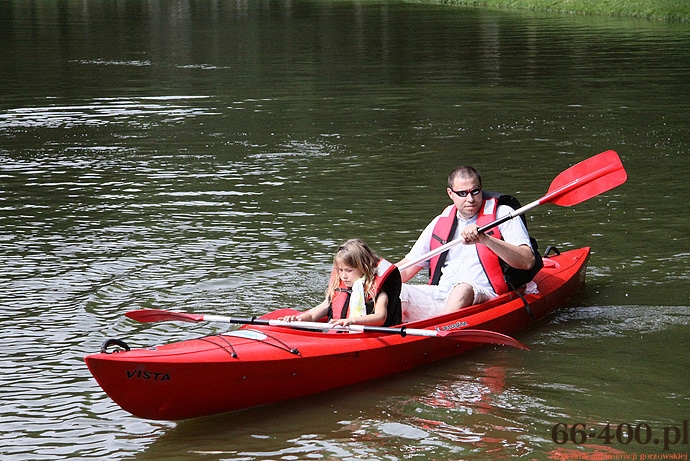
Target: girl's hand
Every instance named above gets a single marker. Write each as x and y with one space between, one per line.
290 318
342 322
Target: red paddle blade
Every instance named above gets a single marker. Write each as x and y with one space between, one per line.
586 179
482 336
156 315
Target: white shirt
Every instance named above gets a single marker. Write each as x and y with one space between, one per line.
462 263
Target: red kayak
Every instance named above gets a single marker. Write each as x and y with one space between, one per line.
265 361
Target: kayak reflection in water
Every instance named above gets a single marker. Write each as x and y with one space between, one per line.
364 289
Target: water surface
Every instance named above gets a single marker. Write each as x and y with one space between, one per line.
210 156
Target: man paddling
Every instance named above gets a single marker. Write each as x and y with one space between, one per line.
472 272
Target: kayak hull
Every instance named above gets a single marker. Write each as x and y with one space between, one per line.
257 365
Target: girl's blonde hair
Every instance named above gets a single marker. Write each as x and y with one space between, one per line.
354 253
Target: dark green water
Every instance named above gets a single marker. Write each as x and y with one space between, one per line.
209 156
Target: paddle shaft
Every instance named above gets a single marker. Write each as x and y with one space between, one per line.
315 325
467 335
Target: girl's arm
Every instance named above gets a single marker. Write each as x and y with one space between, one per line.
312 315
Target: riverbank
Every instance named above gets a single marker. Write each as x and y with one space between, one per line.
659 10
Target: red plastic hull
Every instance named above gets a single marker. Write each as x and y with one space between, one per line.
256 365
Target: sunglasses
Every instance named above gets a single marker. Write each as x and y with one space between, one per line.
464 193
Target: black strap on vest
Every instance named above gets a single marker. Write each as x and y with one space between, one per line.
346 304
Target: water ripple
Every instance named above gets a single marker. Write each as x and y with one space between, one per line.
101 112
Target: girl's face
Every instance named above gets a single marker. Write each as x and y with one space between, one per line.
348 274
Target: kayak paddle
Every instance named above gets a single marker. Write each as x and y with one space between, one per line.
578 183
468 335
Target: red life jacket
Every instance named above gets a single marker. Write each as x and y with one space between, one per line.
490 261
340 302
443 231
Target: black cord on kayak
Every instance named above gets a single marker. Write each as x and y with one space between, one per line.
403 331
113 342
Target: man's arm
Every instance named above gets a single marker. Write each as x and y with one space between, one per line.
420 247
519 257
408 273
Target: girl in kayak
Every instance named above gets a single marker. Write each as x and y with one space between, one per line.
364 289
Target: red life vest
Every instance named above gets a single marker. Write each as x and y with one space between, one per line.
443 231
489 260
340 302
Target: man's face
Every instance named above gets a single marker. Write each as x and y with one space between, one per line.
469 205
